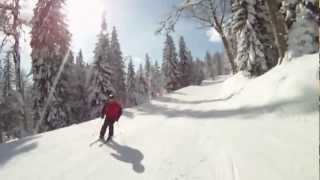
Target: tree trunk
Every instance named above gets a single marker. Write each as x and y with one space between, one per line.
229 54
17 62
226 45
279 29
16 50
218 27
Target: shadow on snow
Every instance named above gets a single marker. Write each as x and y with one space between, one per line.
127 154
10 150
245 111
179 101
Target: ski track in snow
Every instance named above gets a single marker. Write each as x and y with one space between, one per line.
217 131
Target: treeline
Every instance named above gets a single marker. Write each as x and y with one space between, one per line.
181 69
178 69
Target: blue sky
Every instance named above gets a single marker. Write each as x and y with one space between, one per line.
136 22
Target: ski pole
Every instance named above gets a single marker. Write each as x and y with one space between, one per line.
98 128
118 127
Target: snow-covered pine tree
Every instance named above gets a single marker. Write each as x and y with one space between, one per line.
303 34
6 89
148 75
184 63
287 9
131 85
170 66
156 78
70 58
50 41
79 59
198 71
147 65
7 75
11 112
118 77
102 73
141 86
67 82
264 28
210 67
78 89
251 50
11 29
193 69
218 59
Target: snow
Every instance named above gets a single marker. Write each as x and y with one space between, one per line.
302 37
235 129
213 35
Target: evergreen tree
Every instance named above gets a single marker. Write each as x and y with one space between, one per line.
118 76
303 34
101 78
79 76
210 69
79 59
70 59
75 78
263 28
218 59
156 84
11 28
141 86
7 75
193 68
67 82
50 41
131 85
248 19
184 64
147 66
170 66
148 75
198 72
11 112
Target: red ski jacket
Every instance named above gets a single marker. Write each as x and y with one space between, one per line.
112 110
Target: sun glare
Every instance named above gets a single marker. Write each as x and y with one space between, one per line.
83 14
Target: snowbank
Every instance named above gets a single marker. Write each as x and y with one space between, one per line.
295 81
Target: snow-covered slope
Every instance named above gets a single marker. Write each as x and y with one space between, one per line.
240 129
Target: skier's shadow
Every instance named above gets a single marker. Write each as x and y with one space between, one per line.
127 154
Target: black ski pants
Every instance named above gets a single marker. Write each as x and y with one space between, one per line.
104 128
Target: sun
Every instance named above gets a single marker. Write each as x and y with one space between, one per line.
84 14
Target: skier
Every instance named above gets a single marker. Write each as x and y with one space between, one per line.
112 111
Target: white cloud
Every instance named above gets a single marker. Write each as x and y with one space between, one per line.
213 35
